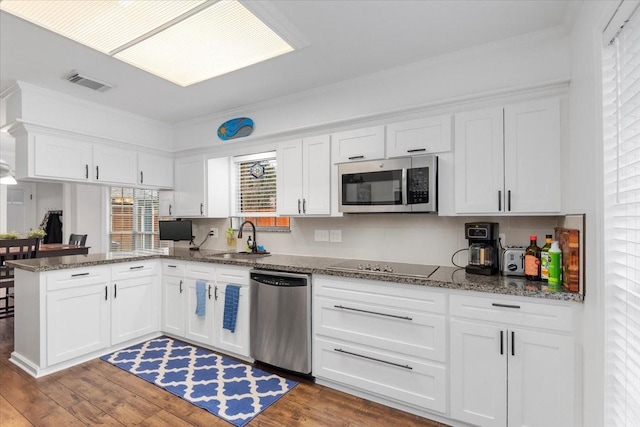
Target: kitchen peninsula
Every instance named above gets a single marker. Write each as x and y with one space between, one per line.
381 336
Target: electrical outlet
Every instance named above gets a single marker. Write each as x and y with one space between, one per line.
335 236
213 232
503 239
322 235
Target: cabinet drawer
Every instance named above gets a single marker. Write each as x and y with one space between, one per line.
239 276
199 270
134 269
513 312
77 277
173 269
402 297
413 332
402 379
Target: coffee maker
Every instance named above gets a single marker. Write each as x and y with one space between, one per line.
484 250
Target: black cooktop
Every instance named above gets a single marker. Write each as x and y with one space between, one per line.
389 268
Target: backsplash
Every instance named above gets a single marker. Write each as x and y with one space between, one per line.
411 238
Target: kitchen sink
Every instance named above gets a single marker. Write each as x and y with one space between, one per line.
240 255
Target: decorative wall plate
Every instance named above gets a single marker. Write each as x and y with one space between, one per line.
257 170
235 128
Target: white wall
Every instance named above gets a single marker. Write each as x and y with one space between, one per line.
40 106
506 65
411 238
585 189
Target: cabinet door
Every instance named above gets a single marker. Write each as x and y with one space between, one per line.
238 341
540 370
199 328
479 171
360 144
290 170
533 157
166 204
116 165
420 136
77 321
57 157
134 308
155 170
478 373
316 175
173 293
190 186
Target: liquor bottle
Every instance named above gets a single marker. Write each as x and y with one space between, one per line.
532 260
544 259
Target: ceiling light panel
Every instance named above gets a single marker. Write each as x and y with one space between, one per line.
104 25
221 38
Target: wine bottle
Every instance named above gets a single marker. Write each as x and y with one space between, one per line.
532 260
544 259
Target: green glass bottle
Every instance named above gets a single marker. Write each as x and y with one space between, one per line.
544 259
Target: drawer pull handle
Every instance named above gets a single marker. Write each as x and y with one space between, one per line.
373 312
356 157
209 291
416 150
501 342
79 274
180 286
339 350
115 290
136 267
495 304
172 266
513 346
106 292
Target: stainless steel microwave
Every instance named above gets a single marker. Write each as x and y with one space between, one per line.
408 184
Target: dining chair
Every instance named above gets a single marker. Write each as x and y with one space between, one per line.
78 239
11 250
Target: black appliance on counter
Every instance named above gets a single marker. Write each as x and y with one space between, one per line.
484 250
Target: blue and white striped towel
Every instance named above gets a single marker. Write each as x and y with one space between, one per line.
201 298
231 299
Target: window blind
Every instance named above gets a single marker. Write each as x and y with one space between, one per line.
621 84
255 184
134 219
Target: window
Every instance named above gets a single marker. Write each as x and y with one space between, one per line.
133 219
621 84
256 191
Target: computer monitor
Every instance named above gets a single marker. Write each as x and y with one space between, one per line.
175 230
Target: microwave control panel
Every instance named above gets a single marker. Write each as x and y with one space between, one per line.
417 186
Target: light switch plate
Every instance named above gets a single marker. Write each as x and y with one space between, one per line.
335 236
322 235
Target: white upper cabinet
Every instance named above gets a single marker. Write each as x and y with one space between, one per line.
219 187
304 176
114 165
532 165
155 170
51 156
508 160
360 144
420 136
190 188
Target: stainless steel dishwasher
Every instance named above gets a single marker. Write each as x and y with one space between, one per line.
281 320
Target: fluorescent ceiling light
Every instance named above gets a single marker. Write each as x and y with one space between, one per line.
185 41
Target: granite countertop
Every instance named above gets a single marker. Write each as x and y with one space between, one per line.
443 277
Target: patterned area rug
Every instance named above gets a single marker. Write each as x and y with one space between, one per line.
232 390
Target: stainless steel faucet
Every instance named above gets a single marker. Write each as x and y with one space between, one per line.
254 247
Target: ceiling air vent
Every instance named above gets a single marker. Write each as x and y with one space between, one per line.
86 81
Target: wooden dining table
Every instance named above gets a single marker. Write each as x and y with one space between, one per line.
61 249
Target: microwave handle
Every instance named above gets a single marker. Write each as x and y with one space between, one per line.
405 200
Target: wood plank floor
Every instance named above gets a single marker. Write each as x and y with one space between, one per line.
98 393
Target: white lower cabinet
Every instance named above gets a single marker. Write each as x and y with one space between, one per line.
180 300
236 342
504 371
77 313
135 306
93 308
383 338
